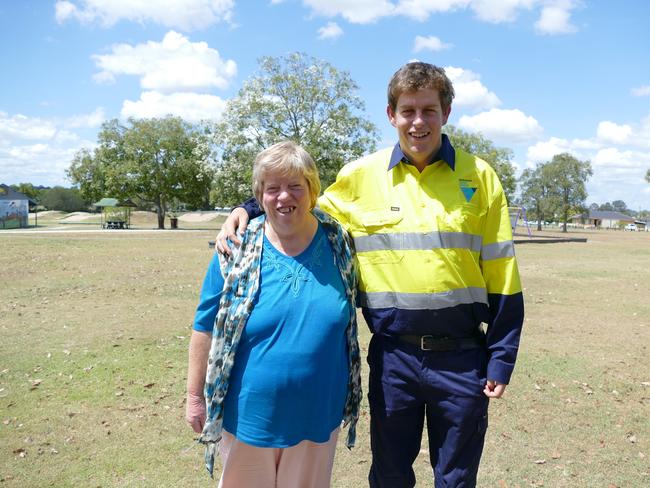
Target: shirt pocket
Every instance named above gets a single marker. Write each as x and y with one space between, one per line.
378 238
467 218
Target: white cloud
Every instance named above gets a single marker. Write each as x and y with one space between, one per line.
614 158
619 175
40 164
556 19
22 127
422 9
193 107
555 15
641 91
470 92
93 119
634 135
357 12
498 11
642 133
330 31
186 15
610 132
175 64
509 125
64 10
38 150
545 150
619 155
431 43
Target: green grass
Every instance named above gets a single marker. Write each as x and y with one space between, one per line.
95 329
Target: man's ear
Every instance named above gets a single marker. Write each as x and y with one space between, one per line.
446 115
391 115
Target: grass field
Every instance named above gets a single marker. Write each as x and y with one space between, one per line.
95 329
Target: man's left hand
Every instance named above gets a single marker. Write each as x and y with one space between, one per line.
494 389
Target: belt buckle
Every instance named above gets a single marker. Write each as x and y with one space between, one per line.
423 339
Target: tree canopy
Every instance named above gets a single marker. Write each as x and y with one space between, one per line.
567 177
63 199
497 157
29 190
295 97
557 187
156 162
535 192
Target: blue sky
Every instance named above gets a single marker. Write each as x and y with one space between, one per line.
538 76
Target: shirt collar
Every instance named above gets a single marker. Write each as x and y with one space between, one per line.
446 153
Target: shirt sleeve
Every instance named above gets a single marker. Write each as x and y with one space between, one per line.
252 207
505 298
337 200
206 311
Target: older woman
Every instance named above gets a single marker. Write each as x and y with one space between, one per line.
274 351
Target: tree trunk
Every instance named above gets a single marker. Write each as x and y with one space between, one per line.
566 209
540 217
160 211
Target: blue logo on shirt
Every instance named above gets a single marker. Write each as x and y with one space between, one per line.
467 190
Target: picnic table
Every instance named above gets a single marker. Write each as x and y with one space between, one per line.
116 224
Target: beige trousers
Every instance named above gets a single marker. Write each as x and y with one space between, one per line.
305 465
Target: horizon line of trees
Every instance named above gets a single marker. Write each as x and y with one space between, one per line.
69 199
168 164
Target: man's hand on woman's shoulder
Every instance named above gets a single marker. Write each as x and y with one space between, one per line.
232 228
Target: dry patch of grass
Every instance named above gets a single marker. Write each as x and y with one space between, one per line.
95 330
139 220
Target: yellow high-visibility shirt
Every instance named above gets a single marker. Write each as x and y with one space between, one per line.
434 249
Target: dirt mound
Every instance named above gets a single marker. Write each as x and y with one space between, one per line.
198 216
49 213
77 216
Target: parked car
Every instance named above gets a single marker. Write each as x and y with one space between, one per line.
631 227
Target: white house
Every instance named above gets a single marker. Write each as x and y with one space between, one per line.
14 208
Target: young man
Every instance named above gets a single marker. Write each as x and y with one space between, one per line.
436 261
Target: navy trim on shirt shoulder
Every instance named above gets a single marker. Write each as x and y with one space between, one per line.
446 153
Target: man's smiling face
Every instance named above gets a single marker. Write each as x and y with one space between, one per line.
418 118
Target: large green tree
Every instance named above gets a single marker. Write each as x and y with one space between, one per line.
498 157
295 97
535 192
620 206
64 199
566 177
156 162
29 190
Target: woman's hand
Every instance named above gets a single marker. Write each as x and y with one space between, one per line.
195 412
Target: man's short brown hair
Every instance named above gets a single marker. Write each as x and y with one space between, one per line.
417 76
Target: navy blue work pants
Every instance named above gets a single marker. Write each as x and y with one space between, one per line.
408 385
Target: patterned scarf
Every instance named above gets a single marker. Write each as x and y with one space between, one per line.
242 275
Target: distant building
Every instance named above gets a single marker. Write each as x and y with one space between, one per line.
14 208
602 219
643 224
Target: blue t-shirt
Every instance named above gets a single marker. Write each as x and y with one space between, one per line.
289 380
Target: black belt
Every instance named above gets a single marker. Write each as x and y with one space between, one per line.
443 344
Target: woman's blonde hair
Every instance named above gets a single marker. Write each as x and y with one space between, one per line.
287 158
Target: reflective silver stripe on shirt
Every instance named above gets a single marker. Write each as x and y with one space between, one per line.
498 250
418 241
423 301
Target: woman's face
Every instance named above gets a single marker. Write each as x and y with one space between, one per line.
286 200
